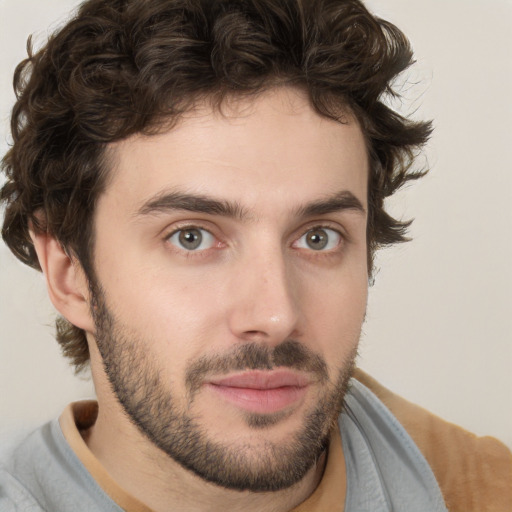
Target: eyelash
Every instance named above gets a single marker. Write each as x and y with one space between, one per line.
343 239
323 227
190 227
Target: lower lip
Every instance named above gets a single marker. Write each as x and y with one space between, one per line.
261 401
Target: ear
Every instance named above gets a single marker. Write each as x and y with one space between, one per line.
66 281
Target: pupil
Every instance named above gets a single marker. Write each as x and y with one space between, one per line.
191 238
317 239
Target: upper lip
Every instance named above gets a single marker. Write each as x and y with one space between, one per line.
266 379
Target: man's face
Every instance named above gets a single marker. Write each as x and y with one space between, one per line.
231 275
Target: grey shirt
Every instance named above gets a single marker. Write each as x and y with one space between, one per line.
385 470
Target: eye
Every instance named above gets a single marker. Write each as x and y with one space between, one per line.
319 239
192 239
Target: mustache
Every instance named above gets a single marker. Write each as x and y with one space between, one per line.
254 356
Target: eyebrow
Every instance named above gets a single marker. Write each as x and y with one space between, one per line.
172 201
340 201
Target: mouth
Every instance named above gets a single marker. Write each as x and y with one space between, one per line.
262 392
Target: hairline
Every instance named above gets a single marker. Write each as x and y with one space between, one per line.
213 101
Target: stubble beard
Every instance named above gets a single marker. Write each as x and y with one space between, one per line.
136 381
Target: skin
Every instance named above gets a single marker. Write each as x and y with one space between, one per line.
254 280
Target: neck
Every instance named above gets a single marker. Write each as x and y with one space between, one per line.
154 479
141 470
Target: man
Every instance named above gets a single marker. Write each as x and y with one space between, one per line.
202 185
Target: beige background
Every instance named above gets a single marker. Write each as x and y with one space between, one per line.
439 321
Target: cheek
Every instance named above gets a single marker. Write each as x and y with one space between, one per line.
341 309
175 311
336 310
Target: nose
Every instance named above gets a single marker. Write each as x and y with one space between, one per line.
265 305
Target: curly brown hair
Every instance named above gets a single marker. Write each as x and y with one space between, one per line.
120 67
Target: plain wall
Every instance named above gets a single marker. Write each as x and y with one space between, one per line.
439 326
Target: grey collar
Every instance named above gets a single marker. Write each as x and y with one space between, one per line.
386 472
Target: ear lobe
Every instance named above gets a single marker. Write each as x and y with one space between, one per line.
65 280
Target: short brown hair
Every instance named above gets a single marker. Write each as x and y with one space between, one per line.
120 67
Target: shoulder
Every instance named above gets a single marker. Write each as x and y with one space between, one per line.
474 473
14 497
20 471
43 474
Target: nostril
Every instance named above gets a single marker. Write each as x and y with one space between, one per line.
254 333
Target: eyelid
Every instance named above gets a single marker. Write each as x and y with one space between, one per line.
189 225
220 240
322 226
206 238
182 225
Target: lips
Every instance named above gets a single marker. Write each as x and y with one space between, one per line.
262 392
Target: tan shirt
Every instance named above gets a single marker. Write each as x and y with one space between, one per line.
80 416
474 474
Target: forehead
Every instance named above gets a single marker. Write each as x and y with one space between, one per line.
270 149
